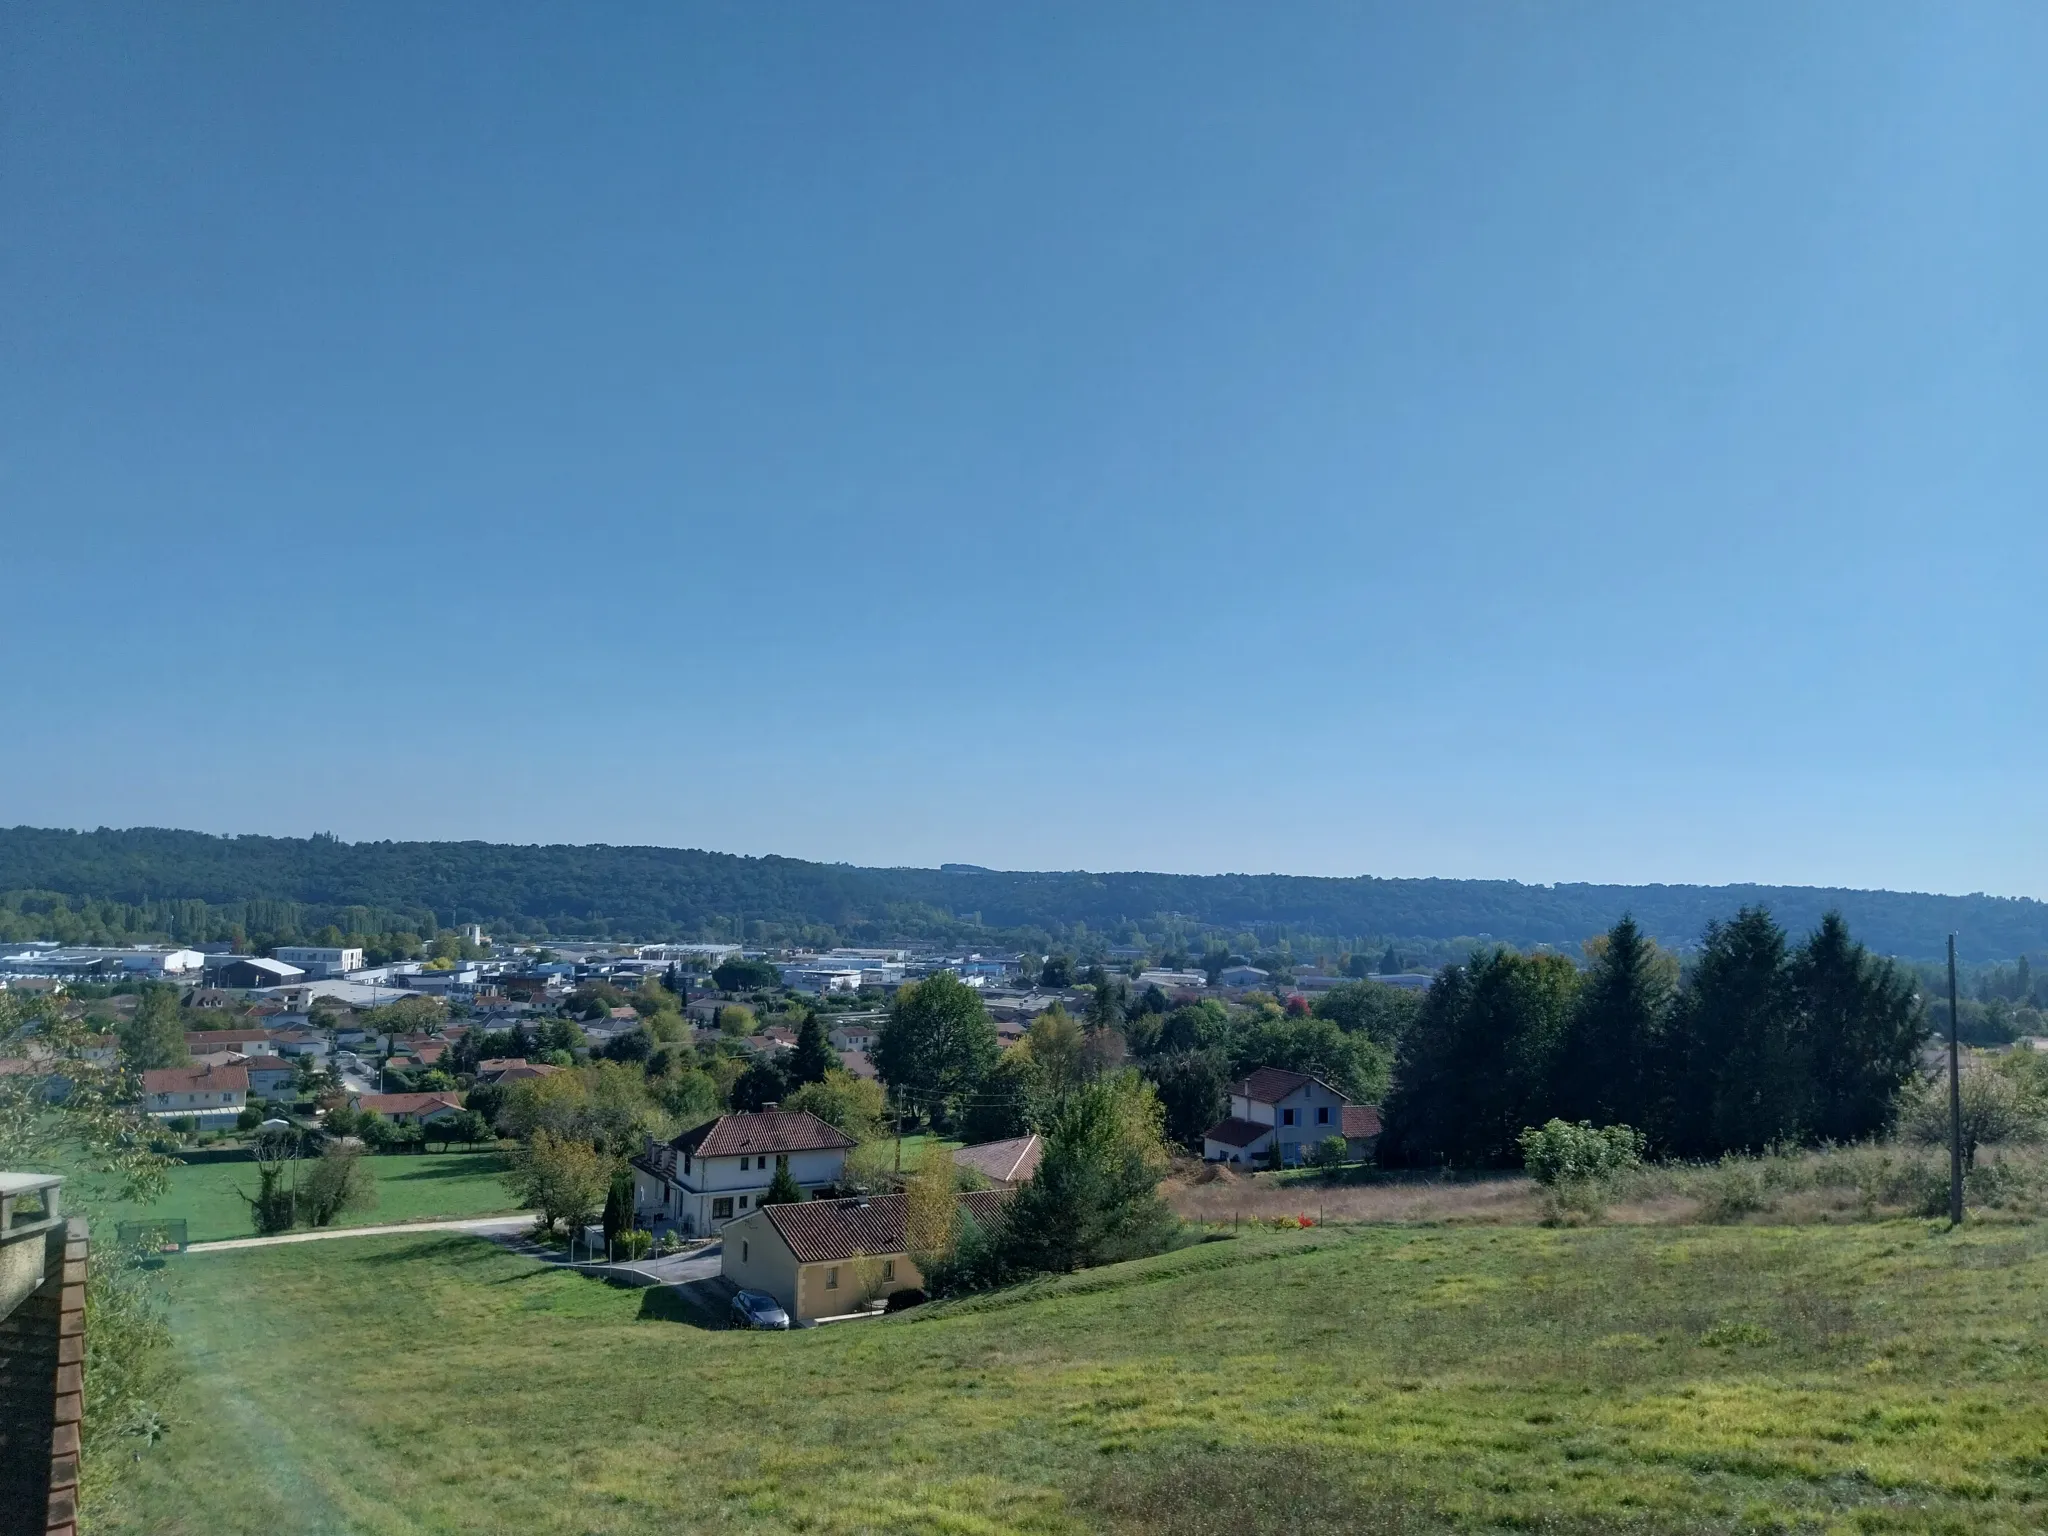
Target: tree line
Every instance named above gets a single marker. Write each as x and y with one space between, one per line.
600 891
1757 1041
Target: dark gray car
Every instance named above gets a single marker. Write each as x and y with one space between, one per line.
757 1309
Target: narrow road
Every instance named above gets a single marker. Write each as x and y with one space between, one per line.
482 1225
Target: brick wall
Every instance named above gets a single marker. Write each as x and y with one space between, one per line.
42 1381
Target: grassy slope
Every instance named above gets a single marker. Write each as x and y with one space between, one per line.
1868 1378
409 1188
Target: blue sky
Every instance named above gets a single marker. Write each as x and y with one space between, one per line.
1553 442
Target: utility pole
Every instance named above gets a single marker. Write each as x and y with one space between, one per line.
1955 1098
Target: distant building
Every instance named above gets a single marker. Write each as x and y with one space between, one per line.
248 972
1291 1111
320 961
1243 976
136 960
1005 1164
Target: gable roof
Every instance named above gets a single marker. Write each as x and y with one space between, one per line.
408 1103
1361 1119
1010 1162
272 1064
1269 1085
828 1231
196 1080
768 1130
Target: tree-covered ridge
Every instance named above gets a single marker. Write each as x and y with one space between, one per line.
154 881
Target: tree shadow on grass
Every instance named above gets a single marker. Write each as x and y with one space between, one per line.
448 1165
697 1303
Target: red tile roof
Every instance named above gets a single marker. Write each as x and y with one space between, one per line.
1007 1162
829 1231
1269 1085
770 1130
408 1103
1361 1120
196 1080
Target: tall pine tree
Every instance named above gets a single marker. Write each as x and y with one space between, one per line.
813 1056
1605 1067
1736 1061
1863 1024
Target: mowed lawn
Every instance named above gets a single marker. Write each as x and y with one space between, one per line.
1878 1378
418 1187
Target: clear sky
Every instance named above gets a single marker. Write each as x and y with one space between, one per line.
1547 441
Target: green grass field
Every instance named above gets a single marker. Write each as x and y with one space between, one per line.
1844 1379
420 1187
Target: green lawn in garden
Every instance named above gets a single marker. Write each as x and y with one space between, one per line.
414 1187
1867 1378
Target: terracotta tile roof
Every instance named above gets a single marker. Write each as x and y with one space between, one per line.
1269 1085
196 1080
856 1064
1361 1119
1235 1133
770 1130
408 1103
1007 1162
828 1231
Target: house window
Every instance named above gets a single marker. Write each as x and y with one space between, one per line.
686 1162
832 1278
1322 1114
1287 1117
743 1202
721 1208
743 1253
888 1269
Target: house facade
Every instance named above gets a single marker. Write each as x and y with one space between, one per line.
826 1258
210 1095
272 1079
412 1108
1292 1111
718 1172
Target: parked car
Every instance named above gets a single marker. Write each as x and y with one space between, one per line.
757 1309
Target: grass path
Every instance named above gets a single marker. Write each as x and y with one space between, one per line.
1867 1379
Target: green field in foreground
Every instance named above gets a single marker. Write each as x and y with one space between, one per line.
416 1187
1874 1378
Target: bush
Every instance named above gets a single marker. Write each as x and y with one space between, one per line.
341 1180
1561 1153
1330 1152
631 1244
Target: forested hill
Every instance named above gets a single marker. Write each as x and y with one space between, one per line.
163 877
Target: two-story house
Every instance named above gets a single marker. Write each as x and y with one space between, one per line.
1289 1110
708 1176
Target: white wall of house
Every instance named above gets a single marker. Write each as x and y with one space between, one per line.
706 1193
1300 1120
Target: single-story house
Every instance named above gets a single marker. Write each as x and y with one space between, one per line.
853 1037
1005 1164
707 1176
1293 1111
210 1095
250 1042
826 1258
511 1069
411 1108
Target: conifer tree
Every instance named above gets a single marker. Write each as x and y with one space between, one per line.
1863 1024
1604 1068
813 1056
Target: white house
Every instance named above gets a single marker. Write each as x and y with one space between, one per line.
320 961
271 1079
1243 976
853 1037
1290 1110
719 1171
210 1095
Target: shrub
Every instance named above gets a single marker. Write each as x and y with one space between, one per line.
1330 1152
633 1243
1562 1153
